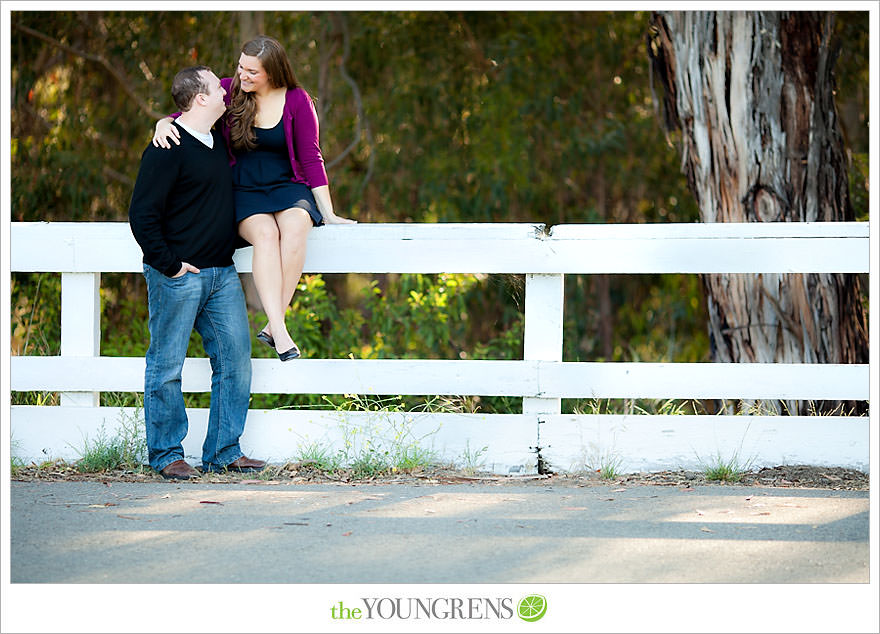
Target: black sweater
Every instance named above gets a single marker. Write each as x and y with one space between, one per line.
182 205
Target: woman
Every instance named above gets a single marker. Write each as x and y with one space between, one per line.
280 184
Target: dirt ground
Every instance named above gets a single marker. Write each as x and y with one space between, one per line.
803 476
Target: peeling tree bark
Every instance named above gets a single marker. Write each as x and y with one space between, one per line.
752 93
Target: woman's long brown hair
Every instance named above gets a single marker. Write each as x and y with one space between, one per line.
242 109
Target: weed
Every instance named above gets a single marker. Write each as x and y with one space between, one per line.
730 470
669 407
318 456
126 450
16 464
410 458
100 454
383 443
370 463
609 467
727 469
473 459
41 399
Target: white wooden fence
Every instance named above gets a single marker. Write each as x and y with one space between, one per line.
82 251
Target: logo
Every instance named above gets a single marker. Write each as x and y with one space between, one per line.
532 608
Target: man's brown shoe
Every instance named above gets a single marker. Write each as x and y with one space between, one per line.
246 464
179 470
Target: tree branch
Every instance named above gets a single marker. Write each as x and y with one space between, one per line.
118 75
360 119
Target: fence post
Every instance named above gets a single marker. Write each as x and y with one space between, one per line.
80 327
542 340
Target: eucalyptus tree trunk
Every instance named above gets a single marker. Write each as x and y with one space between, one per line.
250 25
752 93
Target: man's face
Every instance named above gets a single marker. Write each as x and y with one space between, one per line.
214 96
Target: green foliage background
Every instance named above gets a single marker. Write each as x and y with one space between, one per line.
456 117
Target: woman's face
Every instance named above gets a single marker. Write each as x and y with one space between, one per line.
252 75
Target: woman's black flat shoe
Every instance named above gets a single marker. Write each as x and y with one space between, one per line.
293 353
266 338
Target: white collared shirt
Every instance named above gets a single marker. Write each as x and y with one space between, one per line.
207 139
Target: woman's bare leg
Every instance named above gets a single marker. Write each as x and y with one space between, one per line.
294 225
262 231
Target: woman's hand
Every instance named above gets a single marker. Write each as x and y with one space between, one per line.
333 219
164 133
325 206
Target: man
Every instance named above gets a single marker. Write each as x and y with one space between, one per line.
181 214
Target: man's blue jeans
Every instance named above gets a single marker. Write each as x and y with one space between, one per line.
213 302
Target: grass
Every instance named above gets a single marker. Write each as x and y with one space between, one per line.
732 469
16 464
472 459
609 467
320 457
667 407
387 442
383 444
726 470
127 449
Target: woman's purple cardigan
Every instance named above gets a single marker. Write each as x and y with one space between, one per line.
300 123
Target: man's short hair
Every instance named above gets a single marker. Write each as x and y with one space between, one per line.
187 84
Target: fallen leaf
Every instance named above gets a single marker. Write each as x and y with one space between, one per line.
346 534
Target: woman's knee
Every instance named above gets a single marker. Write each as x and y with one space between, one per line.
260 230
294 226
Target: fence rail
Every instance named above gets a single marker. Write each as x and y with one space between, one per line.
82 251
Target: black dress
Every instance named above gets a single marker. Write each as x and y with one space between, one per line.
261 179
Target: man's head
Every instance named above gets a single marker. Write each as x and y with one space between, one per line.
197 87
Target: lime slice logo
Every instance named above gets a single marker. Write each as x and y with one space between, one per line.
532 608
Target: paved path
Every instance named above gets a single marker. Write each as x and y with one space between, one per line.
88 532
